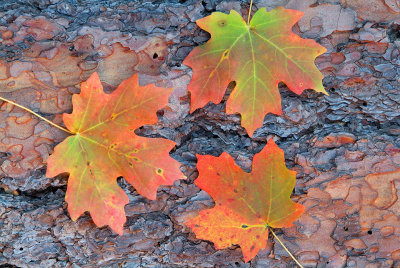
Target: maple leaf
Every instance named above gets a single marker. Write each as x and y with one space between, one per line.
105 147
257 56
245 203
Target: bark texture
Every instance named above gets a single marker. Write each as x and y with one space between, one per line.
345 147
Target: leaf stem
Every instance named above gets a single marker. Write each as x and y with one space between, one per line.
248 17
285 248
41 117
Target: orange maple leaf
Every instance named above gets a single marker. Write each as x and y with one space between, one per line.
257 56
105 147
245 203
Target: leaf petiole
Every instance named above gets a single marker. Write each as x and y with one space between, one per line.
41 117
248 18
285 248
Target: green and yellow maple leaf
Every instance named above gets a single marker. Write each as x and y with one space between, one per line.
258 56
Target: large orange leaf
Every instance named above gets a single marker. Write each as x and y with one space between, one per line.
257 56
105 147
245 203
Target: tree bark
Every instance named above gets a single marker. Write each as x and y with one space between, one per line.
335 143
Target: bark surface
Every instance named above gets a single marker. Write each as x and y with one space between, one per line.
345 147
